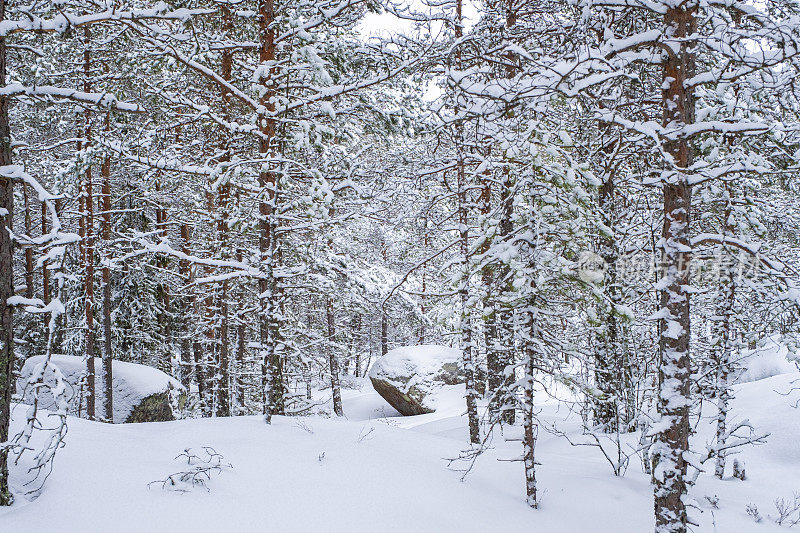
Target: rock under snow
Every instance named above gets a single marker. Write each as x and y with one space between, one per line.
406 377
141 393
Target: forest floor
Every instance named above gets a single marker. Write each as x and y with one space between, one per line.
375 471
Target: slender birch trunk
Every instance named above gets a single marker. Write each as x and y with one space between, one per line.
721 352
529 425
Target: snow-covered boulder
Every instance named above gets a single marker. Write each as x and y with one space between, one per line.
407 377
141 393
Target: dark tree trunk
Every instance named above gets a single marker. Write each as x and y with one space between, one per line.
186 351
223 362
333 361
164 357
384 333
108 376
89 239
28 249
6 277
241 331
58 338
45 269
357 344
500 357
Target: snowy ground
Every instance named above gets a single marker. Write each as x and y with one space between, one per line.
374 472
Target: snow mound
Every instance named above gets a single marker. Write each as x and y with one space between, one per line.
132 383
772 358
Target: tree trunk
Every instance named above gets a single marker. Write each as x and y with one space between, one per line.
6 277
194 361
608 369
223 397
184 268
89 239
672 441
466 326
502 316
530 428
272 365
28 249
45 269
58 336
333 361
721 351
384 332
108 377
357 345
223 362
240 348
164 357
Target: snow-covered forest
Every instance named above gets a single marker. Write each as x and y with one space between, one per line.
399 265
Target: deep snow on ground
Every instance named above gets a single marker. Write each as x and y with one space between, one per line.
375 471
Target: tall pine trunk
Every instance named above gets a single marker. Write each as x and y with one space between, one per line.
223 202
241 343
89 239
184 269
108 376
272 365
28 249
6 276
674 398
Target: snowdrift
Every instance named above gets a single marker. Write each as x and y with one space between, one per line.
389 474
771 358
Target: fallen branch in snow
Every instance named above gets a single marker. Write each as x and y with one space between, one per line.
618 458
471 455
302 425
788 511
202 467
365 435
